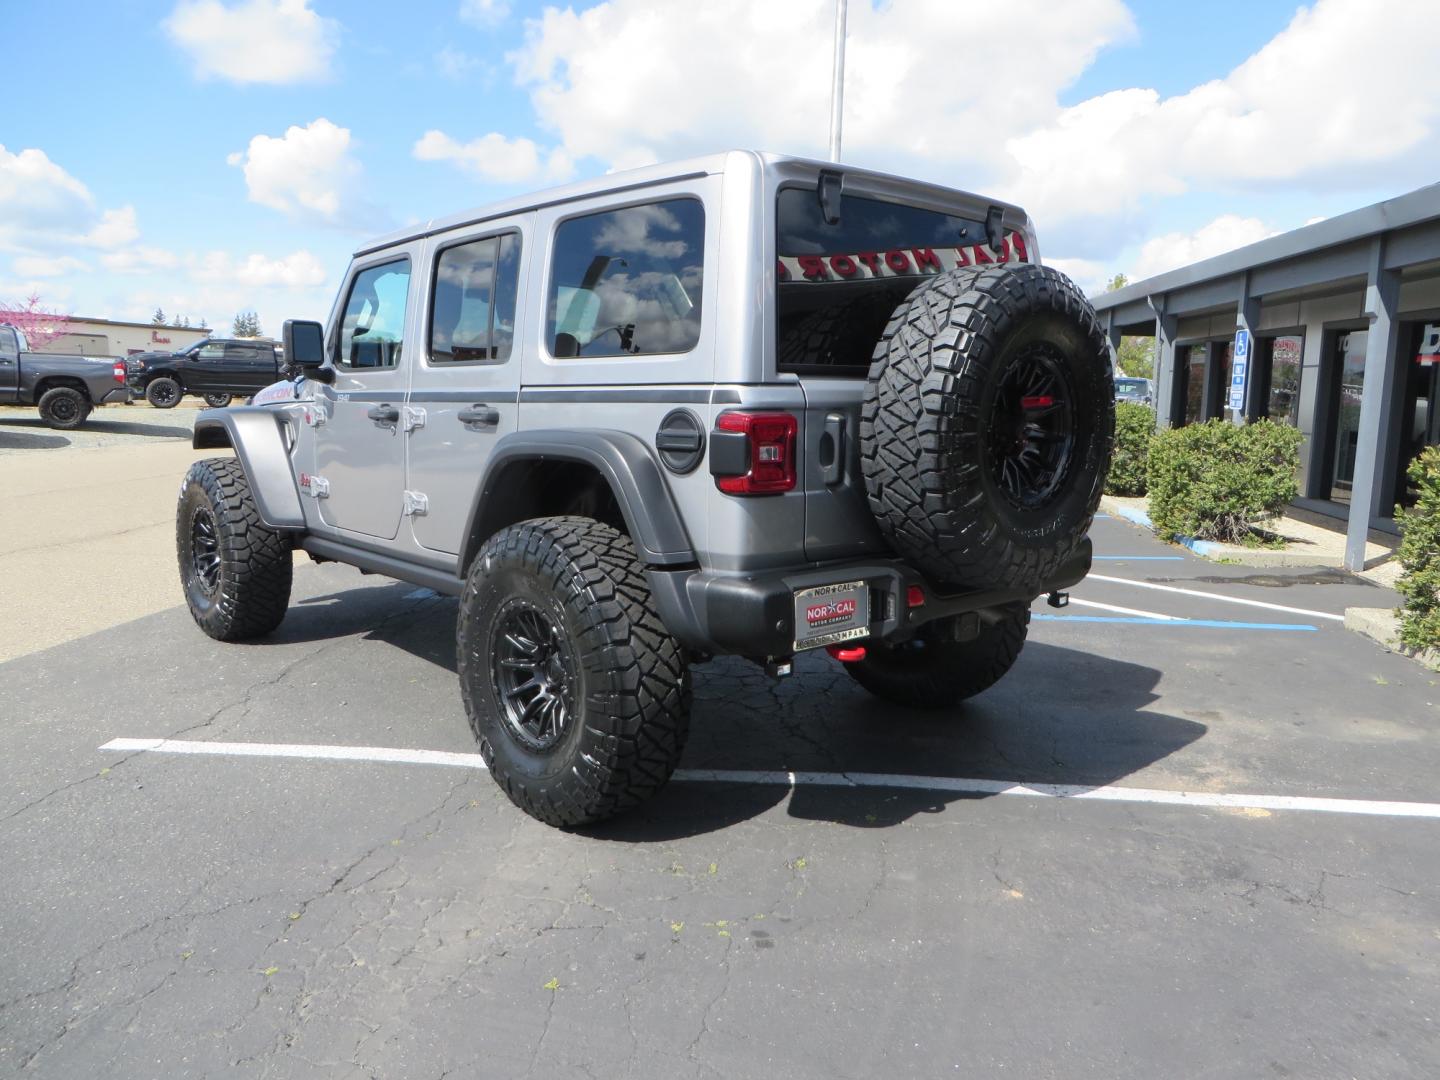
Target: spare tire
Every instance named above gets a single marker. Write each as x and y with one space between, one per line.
987 425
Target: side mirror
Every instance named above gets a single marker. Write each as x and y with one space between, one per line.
304 345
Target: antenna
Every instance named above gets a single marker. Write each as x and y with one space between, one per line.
837 89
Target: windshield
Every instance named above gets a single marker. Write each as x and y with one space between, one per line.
1132 387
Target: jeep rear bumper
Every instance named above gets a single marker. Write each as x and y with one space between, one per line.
754 614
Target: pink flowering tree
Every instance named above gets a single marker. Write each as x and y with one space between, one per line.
41 325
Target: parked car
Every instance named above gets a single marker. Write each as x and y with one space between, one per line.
216 369
65 388
1137 391
742 404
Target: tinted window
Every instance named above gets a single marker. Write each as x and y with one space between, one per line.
372 329
627 282
211 350
1284 398
837 285
9 343
473 314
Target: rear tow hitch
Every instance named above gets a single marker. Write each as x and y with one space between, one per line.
1058 599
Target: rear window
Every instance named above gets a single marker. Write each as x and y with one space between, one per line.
837 285
627 282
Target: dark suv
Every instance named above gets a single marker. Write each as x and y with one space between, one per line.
215 368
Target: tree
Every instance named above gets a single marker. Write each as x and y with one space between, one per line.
1136 355
41 325
158 318
185 322
246 324
1119 281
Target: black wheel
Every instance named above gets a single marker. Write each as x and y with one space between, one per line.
934 671
235 571
578 696
217 401
987 425
163 392
64 408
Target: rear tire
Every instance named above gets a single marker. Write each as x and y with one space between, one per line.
235 572
578 696
930 672
64 408
217 401
987 425
163 393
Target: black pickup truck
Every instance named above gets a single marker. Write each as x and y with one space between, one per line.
65 388
215 368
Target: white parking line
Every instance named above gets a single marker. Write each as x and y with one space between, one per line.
1212 596
956 785
1077 602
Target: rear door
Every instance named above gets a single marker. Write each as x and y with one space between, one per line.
463 396
837 284
9 364
359 448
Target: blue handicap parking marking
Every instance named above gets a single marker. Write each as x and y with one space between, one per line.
1206 624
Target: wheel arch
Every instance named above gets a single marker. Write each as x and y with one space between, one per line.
259 440
55 382
609 475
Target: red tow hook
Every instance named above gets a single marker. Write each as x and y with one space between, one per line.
846 654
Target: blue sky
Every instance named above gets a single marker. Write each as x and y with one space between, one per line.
213 155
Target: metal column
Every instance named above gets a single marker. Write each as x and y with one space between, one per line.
1247 317
1166 330
1379 405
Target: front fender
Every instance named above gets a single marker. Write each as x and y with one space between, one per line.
260 444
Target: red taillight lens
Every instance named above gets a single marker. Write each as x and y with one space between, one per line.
119 371
771 460
914 596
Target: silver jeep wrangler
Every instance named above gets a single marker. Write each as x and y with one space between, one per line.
741 404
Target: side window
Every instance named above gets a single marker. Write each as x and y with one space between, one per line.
472 317
9 343
627 282
372 328
211 351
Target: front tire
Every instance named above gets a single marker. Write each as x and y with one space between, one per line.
933 671
578 696
64 408
235 572
163 393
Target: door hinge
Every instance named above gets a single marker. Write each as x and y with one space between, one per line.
317 487
416 504
411 418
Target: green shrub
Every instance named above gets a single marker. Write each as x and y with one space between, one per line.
1215 481
1420 555
1134 427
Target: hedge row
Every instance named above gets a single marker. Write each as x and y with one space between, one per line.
1420 555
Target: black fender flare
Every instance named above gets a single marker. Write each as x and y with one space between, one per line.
254 433
626 464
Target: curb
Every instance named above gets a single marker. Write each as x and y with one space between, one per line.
1215 552
1381 626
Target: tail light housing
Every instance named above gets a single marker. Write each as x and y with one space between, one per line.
753 453
119 371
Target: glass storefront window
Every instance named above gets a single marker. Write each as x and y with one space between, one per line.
1420 414
1197 367
1227 361
1350 357
1285 355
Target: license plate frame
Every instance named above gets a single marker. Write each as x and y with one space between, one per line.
831 614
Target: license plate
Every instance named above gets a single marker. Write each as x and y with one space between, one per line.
828 614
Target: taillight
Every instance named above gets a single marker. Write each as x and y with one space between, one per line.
119 371
764 462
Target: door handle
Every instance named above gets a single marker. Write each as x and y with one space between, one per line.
385 414
832 449
479 415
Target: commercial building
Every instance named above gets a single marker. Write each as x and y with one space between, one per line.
109 337
1338 324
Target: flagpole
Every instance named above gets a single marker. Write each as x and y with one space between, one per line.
837 89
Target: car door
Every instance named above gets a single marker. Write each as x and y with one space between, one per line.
9 364
463 396
202 368
360 449
236 373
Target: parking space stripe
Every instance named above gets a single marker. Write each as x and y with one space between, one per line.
954 784
1215 596
1075 601
1137 558
1166 620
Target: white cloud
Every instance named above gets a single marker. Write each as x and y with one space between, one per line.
484 13
46 266
299 269
115 229
495 158
139 260
254 41
308 171
1088 274
1226 233
454 64
928 82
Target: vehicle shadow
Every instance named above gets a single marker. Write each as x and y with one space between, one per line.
1062 716
126 427
24 440
95 423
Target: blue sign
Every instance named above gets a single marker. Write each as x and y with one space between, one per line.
1239 370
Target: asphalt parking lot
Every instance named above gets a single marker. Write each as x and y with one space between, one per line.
834 888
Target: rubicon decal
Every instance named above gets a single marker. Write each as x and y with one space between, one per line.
898 262
836 611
